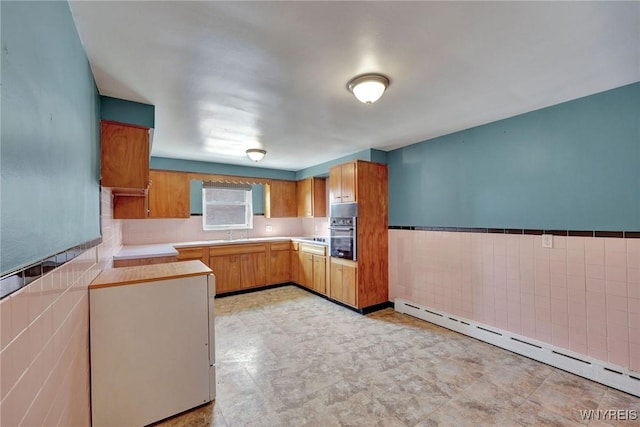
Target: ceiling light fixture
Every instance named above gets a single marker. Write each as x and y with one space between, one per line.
368 88
256 154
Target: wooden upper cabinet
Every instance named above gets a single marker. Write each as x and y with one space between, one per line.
169 194
280 199
312 197
124 156
342 183
349 182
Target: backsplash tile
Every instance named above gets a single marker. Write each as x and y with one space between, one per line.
150 231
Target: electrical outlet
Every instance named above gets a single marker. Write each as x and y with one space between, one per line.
269 228
547 241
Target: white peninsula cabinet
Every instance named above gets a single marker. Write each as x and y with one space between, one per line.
152 342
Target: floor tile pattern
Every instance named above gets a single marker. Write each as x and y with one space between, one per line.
286 357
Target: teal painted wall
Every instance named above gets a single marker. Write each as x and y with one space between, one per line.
219 168
378 156
49 156
322 169
119 110
572 166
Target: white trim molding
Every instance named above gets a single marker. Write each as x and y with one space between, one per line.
596 370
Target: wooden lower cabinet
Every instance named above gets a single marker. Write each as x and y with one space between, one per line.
312 267
253 270
306 269
226 268
295 262
319 274
343 283
238 267
279 263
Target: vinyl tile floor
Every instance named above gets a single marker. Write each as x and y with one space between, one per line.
286 357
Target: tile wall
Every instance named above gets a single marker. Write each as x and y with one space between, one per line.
150 231
44 339
583 294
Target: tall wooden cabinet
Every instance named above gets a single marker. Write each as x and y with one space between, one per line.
366 183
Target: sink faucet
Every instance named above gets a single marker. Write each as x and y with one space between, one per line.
230 235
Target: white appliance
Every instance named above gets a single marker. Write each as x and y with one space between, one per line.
152 349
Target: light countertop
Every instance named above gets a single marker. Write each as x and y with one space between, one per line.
249 240
169 249
148 273
146 251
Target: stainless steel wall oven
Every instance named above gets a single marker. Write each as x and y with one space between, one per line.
343 230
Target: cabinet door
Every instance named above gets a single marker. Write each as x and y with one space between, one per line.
335 288
319 197
335 184
280 266
129 206
295 265
280 199
349 285
319 274
304 198
344 281
348 181
169 195
253 270
227 271
306 269
124 156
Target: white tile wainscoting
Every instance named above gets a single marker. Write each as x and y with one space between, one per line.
581 297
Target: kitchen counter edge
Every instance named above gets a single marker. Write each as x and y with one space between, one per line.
149 273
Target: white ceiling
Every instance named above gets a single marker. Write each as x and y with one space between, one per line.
226 76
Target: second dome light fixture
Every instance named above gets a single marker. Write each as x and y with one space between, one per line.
368 88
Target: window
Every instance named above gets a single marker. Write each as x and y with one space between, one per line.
226 206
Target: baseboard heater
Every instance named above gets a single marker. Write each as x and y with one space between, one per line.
576 363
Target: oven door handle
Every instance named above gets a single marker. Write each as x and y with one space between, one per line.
342 228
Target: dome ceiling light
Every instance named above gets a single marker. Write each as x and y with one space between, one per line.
256 154
368 88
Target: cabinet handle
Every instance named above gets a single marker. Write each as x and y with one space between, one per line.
233 259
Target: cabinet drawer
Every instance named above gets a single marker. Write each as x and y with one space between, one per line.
313 249
190 253
237 249
280 246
